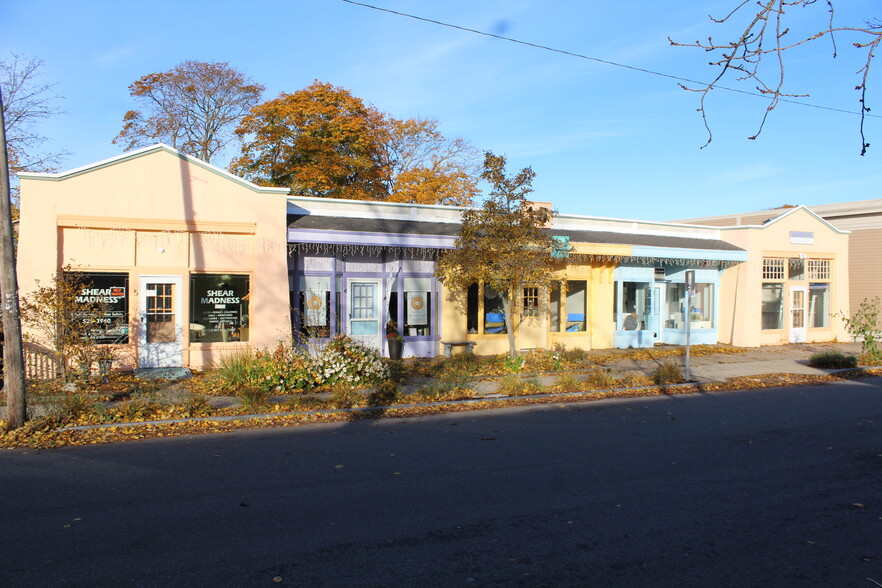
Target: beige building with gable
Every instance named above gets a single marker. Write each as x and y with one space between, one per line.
795 284
186 255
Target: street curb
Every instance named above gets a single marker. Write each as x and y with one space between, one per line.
661 388
370 409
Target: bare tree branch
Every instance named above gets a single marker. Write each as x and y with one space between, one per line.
765 35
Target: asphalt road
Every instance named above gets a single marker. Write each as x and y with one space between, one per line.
781 487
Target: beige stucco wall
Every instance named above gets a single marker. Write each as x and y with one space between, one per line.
159 213
741 285
533 333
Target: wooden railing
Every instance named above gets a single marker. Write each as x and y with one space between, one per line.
38 363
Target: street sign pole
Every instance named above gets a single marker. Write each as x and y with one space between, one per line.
690 285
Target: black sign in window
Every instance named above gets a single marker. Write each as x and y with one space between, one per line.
105 296
219 308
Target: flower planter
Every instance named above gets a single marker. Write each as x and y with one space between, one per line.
395 346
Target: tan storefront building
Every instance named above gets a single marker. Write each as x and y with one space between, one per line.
186 255
794 286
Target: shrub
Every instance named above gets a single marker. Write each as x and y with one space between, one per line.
514 364
574 356
667 372
239 370
137 409
346 361
285 369
568 383
515 386
832 360
343 395
70 407
253 398
599 378
863 324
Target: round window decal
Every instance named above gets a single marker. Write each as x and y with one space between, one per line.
314 303
416 302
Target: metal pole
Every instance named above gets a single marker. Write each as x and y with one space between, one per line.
690 284
688 328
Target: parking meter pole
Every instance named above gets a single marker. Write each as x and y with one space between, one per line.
688 328
690 284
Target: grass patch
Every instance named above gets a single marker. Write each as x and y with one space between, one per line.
667 372
567 383
599 378
515 386
832 360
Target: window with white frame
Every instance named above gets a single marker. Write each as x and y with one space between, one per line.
819 269
773 268
819 305
773 306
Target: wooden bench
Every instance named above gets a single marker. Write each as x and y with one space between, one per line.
449 345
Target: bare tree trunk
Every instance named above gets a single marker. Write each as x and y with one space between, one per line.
13 359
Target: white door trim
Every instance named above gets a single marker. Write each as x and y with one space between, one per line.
798 313
373 340
154 355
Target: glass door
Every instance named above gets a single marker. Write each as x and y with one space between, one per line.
160 336
364 312
798 295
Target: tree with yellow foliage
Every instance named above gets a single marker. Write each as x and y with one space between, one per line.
322 141
502 244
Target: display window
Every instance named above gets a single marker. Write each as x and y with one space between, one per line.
219 308
106 295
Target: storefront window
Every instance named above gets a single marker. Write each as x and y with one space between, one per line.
338 304
675 304
107 297
631 314
314 304
773 306
796 269
819 305
577 299
702 311
418 309
494 313
554 308
472 298
219 308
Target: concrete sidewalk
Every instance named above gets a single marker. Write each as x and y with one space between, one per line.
777 359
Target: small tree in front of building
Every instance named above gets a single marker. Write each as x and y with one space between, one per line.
53 316
863 326
502 244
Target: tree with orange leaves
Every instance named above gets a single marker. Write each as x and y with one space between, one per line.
323 141
319 141
428 168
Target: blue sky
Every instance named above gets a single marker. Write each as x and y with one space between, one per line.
603 140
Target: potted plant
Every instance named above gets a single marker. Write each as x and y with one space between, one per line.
394 340
105 356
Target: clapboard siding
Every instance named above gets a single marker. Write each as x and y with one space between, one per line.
865 265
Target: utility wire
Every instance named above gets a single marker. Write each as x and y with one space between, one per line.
603 61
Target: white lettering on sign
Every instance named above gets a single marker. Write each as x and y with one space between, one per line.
101 295
802 237
220 297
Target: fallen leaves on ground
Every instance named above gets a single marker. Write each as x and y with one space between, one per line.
47 433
